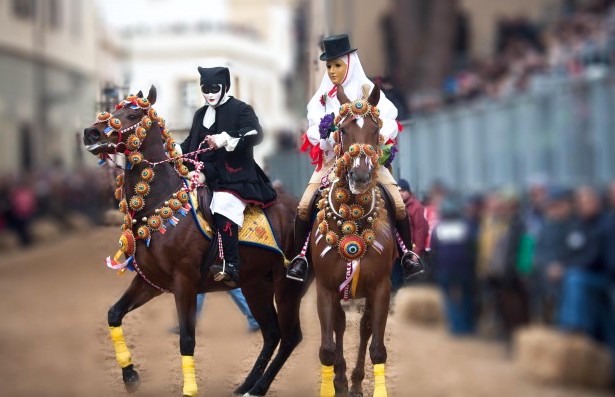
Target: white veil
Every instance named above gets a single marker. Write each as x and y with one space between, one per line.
353 83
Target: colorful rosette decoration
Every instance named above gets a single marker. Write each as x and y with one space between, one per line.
175 204
143 103
116 124
127 243
141 133
344 211
352 247
323 227
182 197
360 107
331 238
349 227
354 150
341 195
368 236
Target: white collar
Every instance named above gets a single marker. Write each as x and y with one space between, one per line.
210 113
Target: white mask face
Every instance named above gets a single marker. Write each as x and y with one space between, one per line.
213 98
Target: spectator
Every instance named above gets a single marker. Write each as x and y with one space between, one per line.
585 305
23 208
550 253
240 302
419 229
416 213
504 281
453 257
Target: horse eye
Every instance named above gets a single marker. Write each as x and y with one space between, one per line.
132 117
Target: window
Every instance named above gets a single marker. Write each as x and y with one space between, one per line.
55 13
189 94
24 8
75 18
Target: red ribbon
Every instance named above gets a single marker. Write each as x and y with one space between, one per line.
315 152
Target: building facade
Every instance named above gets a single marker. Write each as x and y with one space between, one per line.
48 81
252 39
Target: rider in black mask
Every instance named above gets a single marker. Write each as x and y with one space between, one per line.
231 127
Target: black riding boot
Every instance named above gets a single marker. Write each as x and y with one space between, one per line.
228 231
298 267
410 263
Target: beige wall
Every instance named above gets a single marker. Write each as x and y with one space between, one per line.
361 19
60 46
484 14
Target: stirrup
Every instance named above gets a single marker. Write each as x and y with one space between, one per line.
229 278
293 262
417 268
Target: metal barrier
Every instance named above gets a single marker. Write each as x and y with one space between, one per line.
565 131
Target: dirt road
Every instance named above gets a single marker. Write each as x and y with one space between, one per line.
54 339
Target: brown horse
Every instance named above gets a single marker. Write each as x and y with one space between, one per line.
363 237
172 262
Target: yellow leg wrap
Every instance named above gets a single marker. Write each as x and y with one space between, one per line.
326 387
380 389
190 387
121 350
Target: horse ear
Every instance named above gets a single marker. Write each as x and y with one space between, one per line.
151 97
140 94
341 95
374 97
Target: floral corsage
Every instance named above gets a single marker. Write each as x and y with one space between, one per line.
326 125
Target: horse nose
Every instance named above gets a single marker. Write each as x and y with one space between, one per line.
359 177
91 135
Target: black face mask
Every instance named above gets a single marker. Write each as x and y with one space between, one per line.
210 88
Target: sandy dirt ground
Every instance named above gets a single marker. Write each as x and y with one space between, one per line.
54 339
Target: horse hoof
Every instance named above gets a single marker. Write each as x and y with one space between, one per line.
355 394
131 379
256 391
341 390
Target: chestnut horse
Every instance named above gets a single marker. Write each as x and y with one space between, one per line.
347 237
172 262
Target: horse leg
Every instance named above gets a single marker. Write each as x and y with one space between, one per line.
326 302
358 374
287 299
340 381
185 303
259 297
377 350
138 293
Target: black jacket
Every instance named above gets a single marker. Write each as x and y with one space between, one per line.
235 172
588 243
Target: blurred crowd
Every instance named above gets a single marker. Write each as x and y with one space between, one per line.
53 195
503 260
529 57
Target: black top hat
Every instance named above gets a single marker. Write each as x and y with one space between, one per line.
218 75
335 47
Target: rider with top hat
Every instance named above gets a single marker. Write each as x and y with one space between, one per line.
344 69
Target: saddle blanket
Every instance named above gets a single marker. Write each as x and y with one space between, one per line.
256 230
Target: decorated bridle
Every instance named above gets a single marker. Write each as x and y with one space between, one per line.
352 210
360 108
176 205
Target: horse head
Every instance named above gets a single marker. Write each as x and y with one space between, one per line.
110 133
359 125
